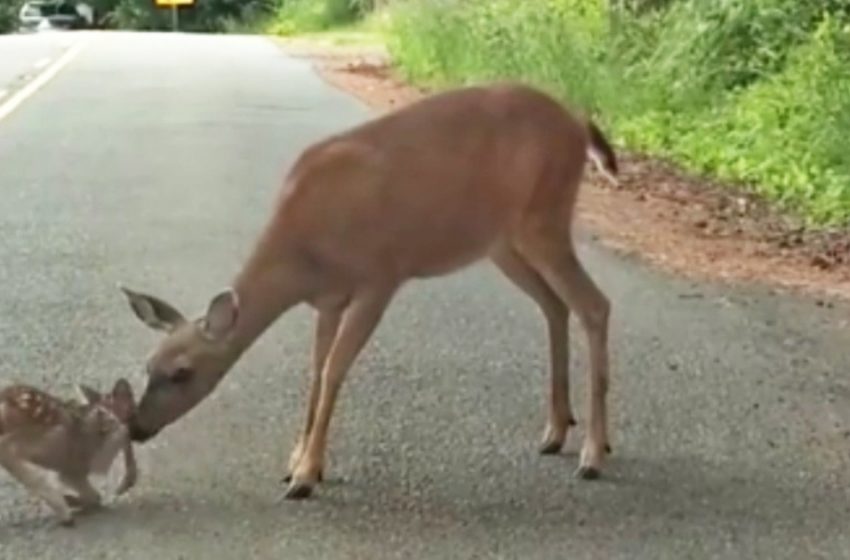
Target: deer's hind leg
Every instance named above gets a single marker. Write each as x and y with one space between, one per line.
547 245
524 277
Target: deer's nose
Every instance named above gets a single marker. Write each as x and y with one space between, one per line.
139 434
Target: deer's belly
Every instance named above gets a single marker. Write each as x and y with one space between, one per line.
438 253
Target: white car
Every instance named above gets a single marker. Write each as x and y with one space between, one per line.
40 15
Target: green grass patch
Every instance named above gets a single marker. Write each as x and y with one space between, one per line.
751 91
348 21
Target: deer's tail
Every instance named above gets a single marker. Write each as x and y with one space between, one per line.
601 152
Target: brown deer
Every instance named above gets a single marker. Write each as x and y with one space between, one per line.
72 439
473 173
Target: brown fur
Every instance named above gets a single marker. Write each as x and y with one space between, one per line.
470 174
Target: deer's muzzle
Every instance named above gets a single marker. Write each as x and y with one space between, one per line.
139 434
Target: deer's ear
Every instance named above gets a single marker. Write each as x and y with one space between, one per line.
222 313
152 311
89 395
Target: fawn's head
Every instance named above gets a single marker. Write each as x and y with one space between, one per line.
103 410
118 403
187 364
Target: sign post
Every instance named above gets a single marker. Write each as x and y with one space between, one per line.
174 5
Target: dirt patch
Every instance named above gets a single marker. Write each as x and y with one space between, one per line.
685 224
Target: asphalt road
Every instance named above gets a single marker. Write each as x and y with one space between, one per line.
152 159
23 56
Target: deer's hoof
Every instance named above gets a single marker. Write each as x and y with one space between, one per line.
288 478
587 472
299 491
553 439
608 448
67 522
551 447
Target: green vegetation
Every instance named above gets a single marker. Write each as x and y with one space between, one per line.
750 91
8 15
756 91
300 16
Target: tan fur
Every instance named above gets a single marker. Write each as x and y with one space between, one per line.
72 439
470 174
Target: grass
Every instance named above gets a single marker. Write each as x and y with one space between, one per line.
750 91
359 33
342 21
755 92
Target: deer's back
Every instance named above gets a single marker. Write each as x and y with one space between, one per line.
430 187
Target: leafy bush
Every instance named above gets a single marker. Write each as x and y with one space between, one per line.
315 15
756 91
9 15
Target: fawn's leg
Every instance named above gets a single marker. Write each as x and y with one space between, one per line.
523 276
359 320
87 498
131 469
35 483
327 325
552 255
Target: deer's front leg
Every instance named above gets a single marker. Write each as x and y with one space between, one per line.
35 484
358 322
327 325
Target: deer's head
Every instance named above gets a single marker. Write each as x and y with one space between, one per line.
187 364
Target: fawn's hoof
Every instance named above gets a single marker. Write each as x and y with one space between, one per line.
73 501
82 506
299 491
67 522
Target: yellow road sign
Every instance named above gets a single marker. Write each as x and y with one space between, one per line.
172 3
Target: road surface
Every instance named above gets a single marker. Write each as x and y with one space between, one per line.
24 56
152 159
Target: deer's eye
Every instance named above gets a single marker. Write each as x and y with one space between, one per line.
182 375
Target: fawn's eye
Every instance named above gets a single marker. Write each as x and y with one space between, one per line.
182 375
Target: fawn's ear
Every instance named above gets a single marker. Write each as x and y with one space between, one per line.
89 395
152 311
122 390
123 403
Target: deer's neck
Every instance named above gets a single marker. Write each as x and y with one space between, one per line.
272 281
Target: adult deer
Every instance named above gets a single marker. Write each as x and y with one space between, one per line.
478 172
